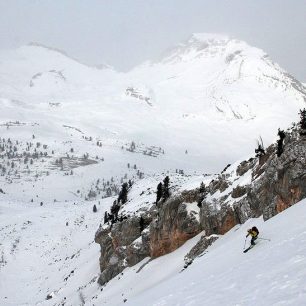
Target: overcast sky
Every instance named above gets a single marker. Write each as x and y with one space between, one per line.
124 33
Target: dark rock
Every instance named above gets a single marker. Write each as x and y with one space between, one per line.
49 296
239 191
199 248
220 184
245 166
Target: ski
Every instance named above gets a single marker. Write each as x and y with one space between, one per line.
246 250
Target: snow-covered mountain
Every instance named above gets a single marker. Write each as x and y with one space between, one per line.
201 105
214 75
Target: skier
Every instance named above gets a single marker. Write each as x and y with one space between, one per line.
254 233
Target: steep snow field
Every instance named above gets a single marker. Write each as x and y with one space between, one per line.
41 255
272 273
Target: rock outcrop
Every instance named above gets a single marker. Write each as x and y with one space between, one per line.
275 184
283 182
199 249
123 244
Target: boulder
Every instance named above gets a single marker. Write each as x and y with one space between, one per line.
199 248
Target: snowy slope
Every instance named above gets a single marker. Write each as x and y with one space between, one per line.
40 255
273 273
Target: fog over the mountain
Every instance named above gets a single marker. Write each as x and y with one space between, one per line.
124 33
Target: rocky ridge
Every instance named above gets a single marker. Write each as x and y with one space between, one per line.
258 186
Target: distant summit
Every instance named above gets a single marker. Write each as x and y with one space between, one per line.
206 45
64 53
36 44
211 37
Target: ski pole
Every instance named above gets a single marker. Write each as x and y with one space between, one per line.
264 239
244 243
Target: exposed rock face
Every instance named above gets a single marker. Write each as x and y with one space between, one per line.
245 166
243 210
239 191
220 184
173 227
217 220
125 232
191 196
284 181
122 245
109 259
277 183
138 250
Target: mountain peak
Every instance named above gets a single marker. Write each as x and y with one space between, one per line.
196 46
201 37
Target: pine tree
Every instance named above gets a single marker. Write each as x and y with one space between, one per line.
280 141
105 217
159 192
114 210
141 224
123 193
202 187
94 209
303 122
166 192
